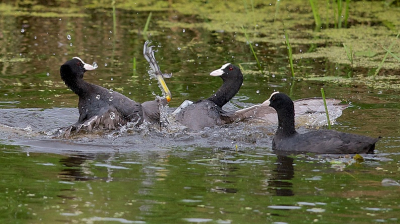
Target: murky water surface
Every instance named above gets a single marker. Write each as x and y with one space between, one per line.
225 174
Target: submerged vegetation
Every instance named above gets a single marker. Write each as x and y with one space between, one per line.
343 32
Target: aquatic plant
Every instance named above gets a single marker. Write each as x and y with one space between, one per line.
346 14
326 108
247 12
290 55
393 55
114 17
317 18
338 22
349 53
252 49
146 26
276 9
134 65
337 14
384 58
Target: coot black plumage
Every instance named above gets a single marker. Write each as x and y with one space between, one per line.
319 141
102 108
208 112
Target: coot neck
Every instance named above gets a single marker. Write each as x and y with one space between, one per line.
227 91
78 86
286 122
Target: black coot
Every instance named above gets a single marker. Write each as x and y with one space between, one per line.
102 108
319 141
208 112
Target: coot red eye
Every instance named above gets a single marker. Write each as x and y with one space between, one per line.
230 68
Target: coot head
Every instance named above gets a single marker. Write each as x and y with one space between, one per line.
232 81
72 72
228 72
285 109
280 101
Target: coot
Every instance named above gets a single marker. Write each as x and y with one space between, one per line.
208 112
319 141
102 108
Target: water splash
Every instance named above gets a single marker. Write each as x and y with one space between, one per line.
112 115
98 97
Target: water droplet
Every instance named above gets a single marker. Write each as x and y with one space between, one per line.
183 30
112 115
179 48
22 30
69 37
112 79
28 128
70 44
98 97
105 64
48 74
111 98
35 37
110 90
95 65
258 91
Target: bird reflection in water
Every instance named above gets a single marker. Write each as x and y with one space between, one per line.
280 184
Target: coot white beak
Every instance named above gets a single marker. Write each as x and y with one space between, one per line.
268 102
86 66
220 71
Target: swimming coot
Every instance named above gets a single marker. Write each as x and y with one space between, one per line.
102 108
319 141
208 112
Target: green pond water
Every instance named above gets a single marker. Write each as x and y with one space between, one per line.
224 174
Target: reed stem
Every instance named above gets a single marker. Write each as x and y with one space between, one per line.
326 108
252 49
290 55
146 27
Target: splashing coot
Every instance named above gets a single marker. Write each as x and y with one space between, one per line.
319 141
102 108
